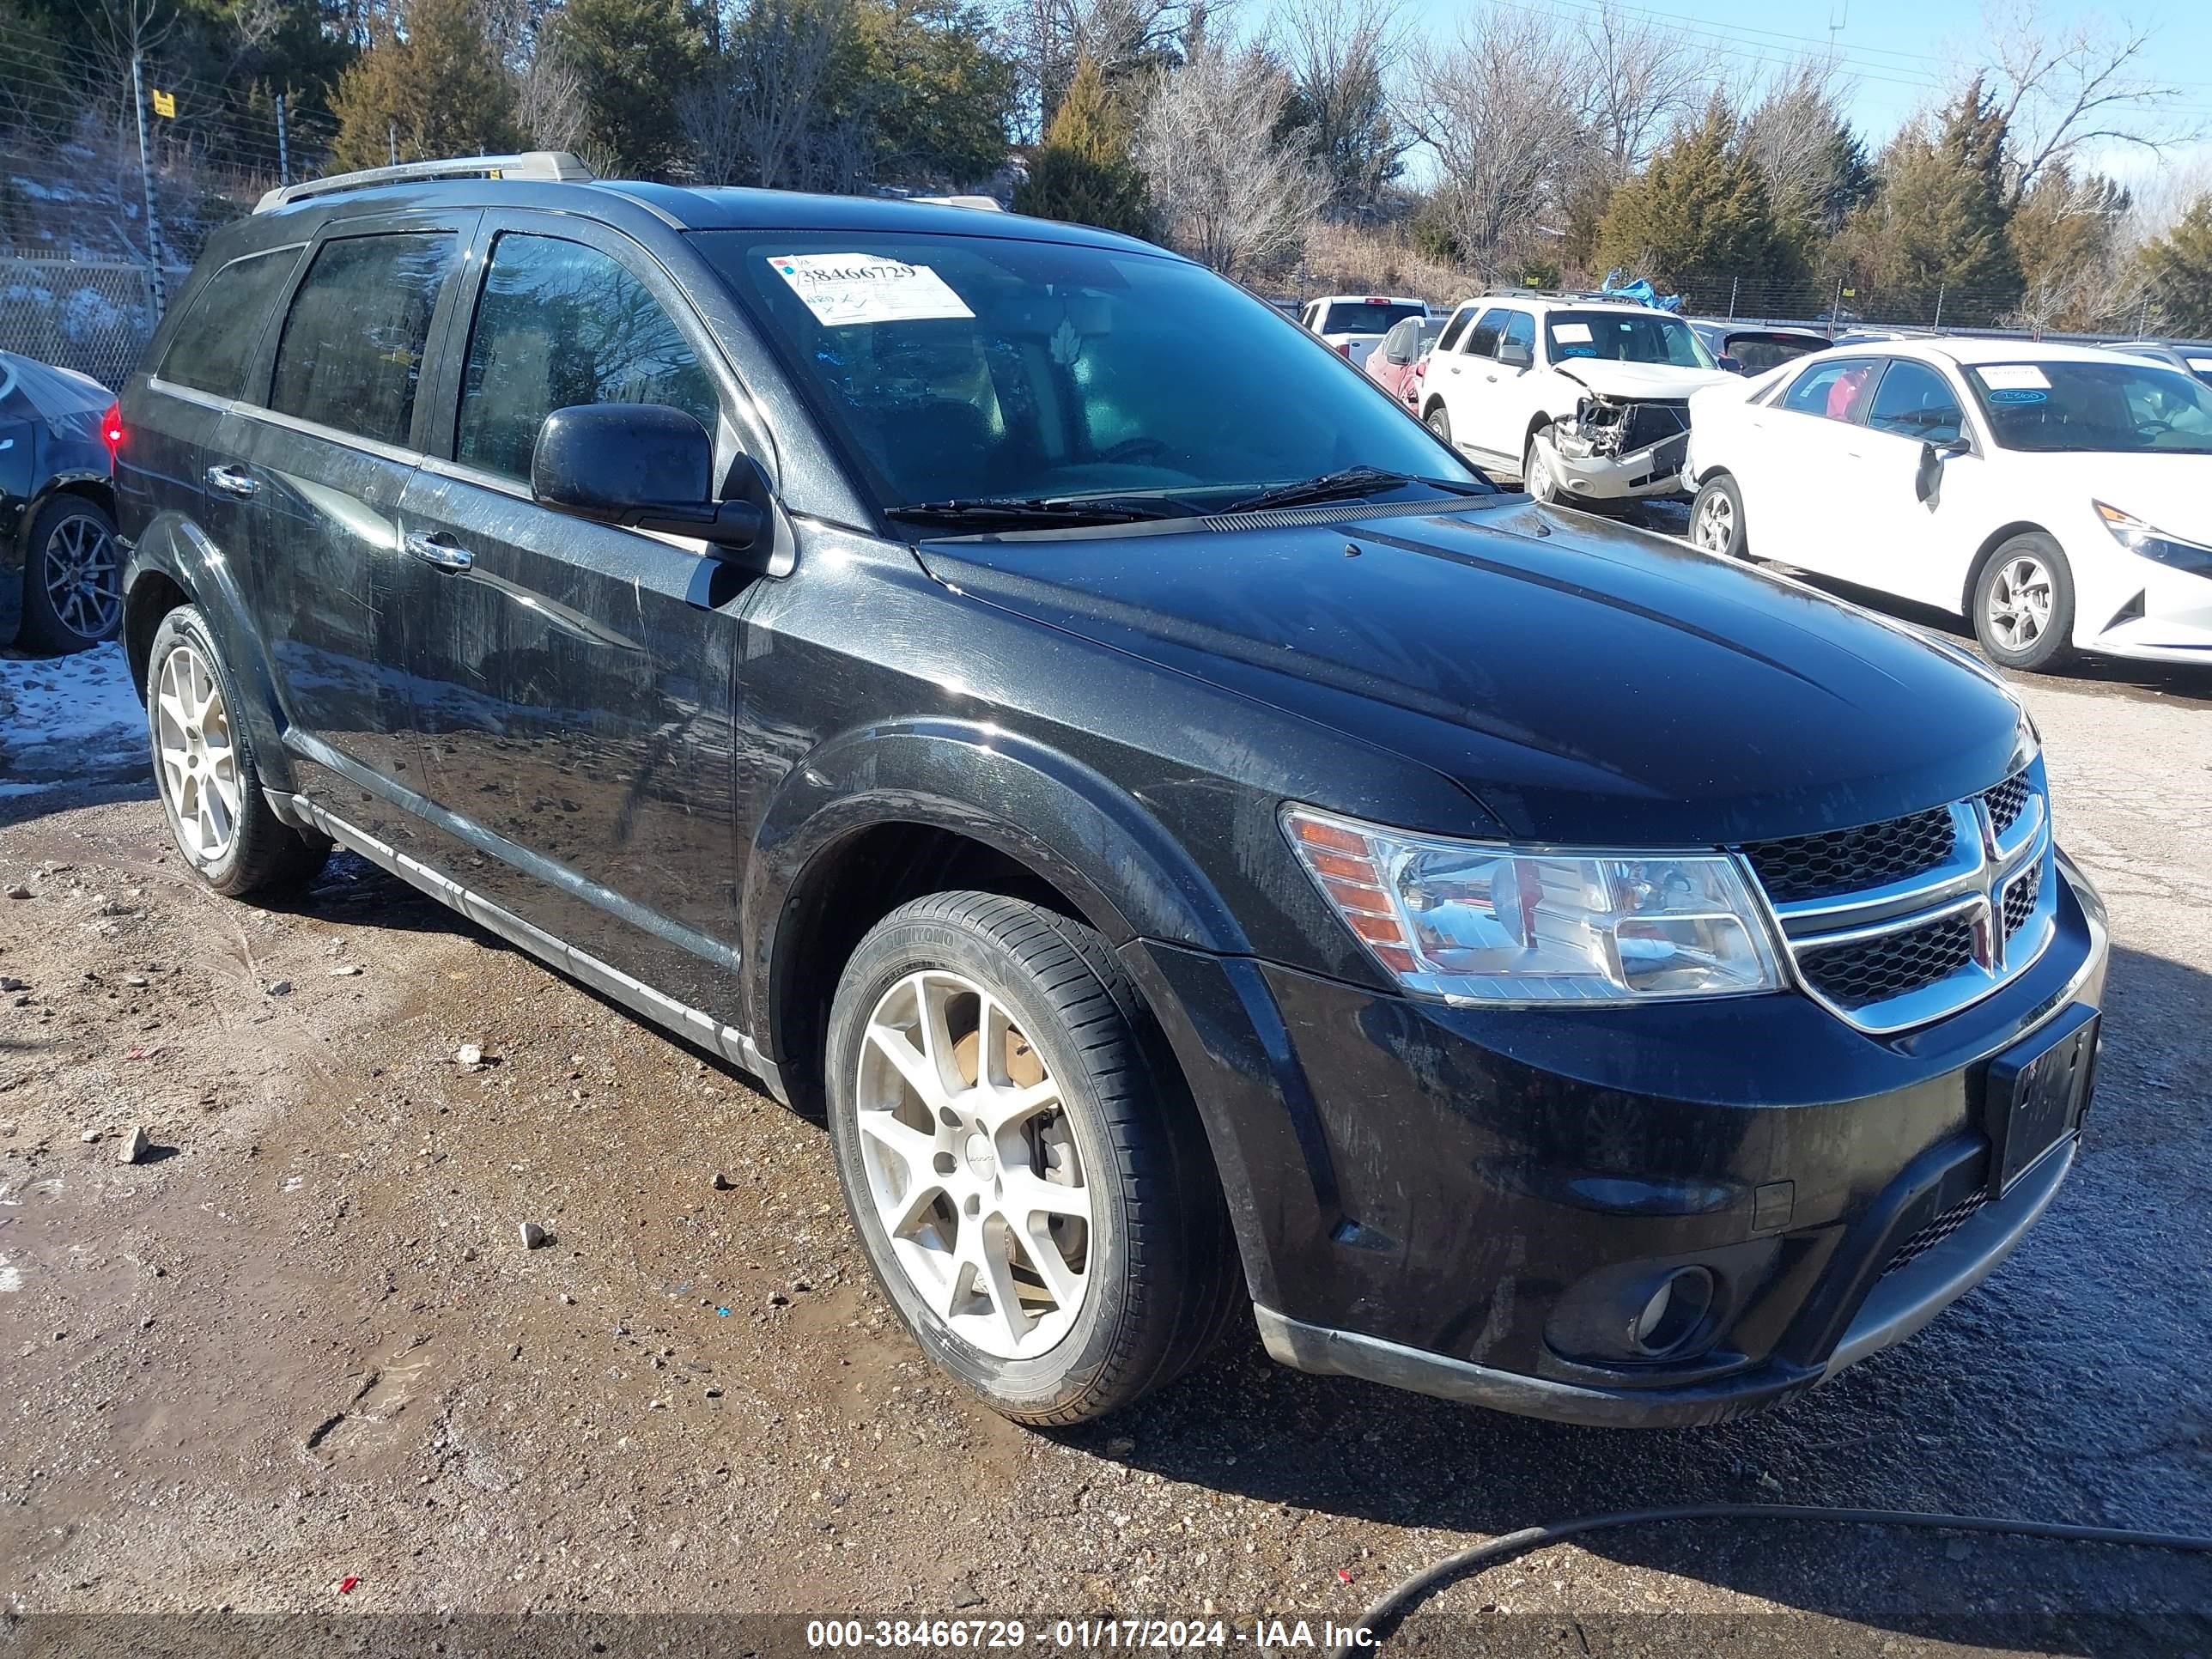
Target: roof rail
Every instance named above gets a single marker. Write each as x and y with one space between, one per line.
552 164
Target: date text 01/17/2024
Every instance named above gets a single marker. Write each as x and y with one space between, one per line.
1163 1635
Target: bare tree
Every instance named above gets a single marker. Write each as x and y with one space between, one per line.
2065 86
1800 137
1501 106
550 98
1342 58
1226 193
1641 76
1047 38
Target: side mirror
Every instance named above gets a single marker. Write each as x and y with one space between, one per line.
1514 354
642 466
1927 478
1729 365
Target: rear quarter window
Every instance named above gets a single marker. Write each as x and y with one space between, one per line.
210 350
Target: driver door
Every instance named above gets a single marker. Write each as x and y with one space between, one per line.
574 681
1466 380
1903 544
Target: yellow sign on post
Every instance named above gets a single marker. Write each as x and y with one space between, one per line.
165 104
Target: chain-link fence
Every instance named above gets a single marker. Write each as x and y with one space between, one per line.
93 317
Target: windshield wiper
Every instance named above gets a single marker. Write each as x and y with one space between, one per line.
1352 481
1030 510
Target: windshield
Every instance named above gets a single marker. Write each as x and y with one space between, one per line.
2128 407
1625 337
1364 317
958 367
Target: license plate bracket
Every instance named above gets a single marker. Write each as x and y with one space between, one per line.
2036 1092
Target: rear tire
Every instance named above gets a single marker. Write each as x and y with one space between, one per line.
1030 1184
203 766
2023 604
1716 518
1438 421
73 577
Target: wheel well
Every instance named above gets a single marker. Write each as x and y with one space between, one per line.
845 892
1987 551
151 598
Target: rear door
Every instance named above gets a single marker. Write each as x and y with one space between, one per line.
1466 378
1798 503
575 681
326 453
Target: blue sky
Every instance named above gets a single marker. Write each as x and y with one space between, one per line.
1901 53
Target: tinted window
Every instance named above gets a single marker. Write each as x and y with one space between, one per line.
1520 330
1914 401
217 334
1363 317
560 323
1757 352
2125 407
1460 318
351 353
973 366
1835 390
1625 337
1482 339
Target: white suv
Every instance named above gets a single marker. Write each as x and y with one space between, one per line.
1353 324
1584 400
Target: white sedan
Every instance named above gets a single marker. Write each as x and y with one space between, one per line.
2060 497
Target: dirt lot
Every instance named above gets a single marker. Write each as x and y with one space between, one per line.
301 1350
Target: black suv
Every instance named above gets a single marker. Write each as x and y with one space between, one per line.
1194 838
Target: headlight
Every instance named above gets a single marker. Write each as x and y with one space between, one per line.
1470 922
2137 536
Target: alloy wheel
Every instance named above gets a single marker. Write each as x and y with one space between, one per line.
972 1167
2019 602
198 760
1537 480
82 580
1715 524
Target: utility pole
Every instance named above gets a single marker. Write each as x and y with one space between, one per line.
284 154
146 183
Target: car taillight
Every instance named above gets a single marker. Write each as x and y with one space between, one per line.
1344 350
111 430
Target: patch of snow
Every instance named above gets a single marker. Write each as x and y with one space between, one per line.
69 720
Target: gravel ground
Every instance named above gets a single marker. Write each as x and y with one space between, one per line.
299 1349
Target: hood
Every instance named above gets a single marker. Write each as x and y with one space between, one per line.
1588 684
1630 381
2170 493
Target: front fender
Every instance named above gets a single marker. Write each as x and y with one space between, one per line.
172 547
1051 813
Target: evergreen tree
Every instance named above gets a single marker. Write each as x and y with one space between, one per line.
428 86
1700 208
1084 170
2177 273
1941 220
632 59
945 96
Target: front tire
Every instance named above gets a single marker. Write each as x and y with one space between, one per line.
1716 518
204 769
1538 476
72 580
1030 1185
2023 604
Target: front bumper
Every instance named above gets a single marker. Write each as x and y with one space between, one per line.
1423 1194
1655 469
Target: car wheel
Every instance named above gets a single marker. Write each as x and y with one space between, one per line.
1031 1186
2024 604
1438 421
204 764
73 579
1538 475
1716 518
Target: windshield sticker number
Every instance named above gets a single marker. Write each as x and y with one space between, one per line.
1572 333
2013 377
2018 394
841 288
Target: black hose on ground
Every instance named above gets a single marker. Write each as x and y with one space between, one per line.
1383 1616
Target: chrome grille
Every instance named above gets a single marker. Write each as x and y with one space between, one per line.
1834 861
1946 1223
1876 969
1893 925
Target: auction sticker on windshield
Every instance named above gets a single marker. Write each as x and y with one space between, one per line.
2013 377
841 288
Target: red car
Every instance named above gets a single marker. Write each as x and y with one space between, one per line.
1401 362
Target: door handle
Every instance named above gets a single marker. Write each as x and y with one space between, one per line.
439 550
1492 378
1453 367
232 480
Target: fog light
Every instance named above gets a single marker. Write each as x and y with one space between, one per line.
1674 1312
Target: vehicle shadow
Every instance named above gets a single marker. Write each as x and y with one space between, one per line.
2071 1386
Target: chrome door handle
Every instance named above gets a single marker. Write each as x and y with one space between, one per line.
232 480
437 550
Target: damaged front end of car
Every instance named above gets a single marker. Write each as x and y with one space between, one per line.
1615 448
